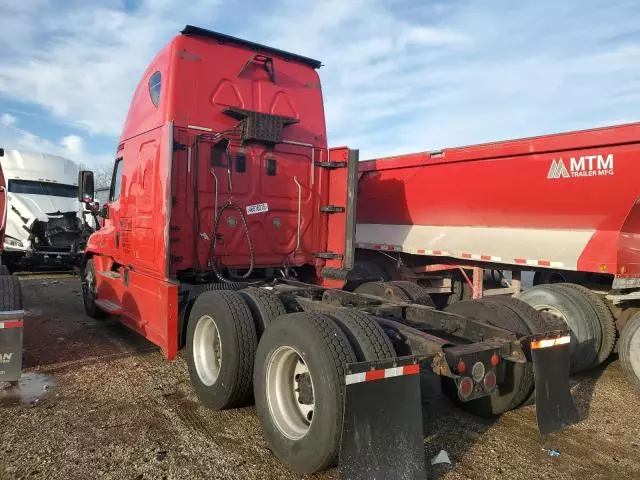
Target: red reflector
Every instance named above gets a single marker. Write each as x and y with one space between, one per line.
461 367
495 359
465 387
490 381
411 369
374 375
11 324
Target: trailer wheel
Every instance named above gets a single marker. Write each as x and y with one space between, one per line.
460 291
605 320
415 292
11 293
629 350
368 340
570 307
299 388
221 346
364 271
386 290
518 377
264 305
89 291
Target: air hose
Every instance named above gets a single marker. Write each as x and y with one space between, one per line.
229 205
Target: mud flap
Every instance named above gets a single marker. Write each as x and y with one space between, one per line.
555 408
382 434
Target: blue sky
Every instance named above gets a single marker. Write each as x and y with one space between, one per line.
399 75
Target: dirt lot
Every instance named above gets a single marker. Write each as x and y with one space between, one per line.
100 401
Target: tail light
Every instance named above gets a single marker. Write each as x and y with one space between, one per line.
465 387
490 381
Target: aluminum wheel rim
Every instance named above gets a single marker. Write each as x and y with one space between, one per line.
90 279
634 352
284 370
207 350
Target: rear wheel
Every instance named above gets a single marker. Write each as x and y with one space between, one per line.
221 345
517 379
10 293
264 305
568 307
460 291
368 340
605 320
299 388
629 350
415 292
4 270
386 290
90 291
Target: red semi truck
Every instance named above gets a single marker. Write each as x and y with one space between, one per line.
564 206
230 232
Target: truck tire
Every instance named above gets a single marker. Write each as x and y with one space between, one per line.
415 292
576 312
299 389
519 379
368 340
364 271
4 270
629 350
460 291
10 293
220 350
530 317
89 292
605 320
385 290
264 305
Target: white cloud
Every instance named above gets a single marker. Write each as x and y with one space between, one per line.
7 119
74 144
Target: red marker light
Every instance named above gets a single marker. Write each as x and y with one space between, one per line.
495 359
461 367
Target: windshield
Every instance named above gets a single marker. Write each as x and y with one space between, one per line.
43 188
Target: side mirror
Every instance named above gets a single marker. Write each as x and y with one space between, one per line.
1 152
85 186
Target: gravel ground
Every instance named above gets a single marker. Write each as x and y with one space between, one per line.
99 401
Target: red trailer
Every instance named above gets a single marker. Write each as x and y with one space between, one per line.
229 232
564 206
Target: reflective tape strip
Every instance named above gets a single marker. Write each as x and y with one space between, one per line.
382 373
550 342
198 127
11 324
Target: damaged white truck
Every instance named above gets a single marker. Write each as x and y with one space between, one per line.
46 225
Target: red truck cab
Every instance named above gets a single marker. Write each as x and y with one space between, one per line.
173 173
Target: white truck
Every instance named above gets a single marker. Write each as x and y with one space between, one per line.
46 224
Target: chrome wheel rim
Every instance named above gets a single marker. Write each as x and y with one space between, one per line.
207 350
290 392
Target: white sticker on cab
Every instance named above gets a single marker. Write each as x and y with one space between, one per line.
257 208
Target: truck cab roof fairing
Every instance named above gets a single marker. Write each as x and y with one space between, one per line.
222 38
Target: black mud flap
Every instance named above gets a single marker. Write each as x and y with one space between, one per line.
382 435
555 408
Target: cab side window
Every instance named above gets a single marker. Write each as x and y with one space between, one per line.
116 181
